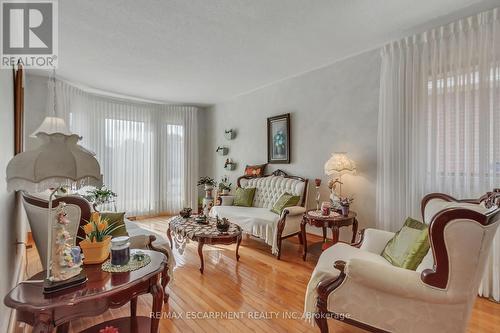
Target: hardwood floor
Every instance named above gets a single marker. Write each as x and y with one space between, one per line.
256 286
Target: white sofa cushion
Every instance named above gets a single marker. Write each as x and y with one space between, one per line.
269 189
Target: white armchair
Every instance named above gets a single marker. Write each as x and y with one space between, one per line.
355 284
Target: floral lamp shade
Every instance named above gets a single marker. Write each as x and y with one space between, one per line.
58 161
339 163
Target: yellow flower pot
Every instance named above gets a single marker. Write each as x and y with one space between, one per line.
95 252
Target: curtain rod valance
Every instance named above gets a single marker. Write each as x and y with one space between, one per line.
115 97
467 24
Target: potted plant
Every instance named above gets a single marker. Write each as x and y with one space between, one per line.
207 182
345 203
225 186
100 195
96 244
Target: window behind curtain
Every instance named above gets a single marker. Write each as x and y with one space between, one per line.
140 150
463 116
171 175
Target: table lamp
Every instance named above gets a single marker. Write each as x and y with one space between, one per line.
58 162
337 165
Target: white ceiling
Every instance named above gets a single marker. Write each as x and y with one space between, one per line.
206 51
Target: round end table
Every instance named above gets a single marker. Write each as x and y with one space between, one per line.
333 221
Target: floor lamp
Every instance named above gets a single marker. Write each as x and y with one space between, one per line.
58 161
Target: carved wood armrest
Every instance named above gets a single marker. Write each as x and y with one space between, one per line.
360 237
326 287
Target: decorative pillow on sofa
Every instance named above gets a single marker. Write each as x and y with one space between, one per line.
119 219
255 170
244 196
286 200
409 245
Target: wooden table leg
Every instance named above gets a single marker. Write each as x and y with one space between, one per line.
164 281
335 234
238 248
133 307
354 230
157 292
43 324
324 234
64 328
200 253
169 237
304 239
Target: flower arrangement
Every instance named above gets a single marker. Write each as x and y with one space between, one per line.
97 229
109 329
207 181
279 142
100 195
346 201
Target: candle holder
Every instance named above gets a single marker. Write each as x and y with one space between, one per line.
317 182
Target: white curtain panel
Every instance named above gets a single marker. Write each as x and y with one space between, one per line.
439 122
148 152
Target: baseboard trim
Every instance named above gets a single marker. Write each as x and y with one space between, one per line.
18 278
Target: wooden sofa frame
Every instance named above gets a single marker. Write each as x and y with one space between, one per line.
282 221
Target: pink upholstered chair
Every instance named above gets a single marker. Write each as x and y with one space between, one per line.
367 292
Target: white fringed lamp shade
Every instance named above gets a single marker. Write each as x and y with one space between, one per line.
58 161
339 163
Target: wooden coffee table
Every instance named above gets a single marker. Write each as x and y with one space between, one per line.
187 228
102 291
333 221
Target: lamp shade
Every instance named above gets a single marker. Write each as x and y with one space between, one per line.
58 161
51 125
339 163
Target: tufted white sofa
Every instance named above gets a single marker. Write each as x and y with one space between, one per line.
258 220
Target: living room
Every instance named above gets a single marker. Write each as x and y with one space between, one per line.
253 166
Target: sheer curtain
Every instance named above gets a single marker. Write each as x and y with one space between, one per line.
439 122
148 152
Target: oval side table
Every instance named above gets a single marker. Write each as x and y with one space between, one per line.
102 291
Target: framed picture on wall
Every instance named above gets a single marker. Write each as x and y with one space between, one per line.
278 139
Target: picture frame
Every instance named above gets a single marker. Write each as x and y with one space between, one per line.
278 139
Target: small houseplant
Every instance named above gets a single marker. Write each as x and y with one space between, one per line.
100 195
345 203
207 182
96 244
225 186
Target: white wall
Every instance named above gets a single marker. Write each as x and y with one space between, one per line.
12 221
332 109
35 106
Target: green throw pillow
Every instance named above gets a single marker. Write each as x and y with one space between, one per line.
286 200
409 245
244 197
119 219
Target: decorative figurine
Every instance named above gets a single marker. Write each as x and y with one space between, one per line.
185 212
222 224
66 258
